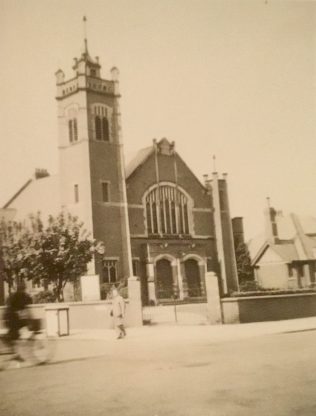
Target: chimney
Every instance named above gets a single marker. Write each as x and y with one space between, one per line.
271 229
41 173
238 231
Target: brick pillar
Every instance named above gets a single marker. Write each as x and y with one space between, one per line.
214 312
135 311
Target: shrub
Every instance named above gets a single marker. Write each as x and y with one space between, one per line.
250 286
45 296
272 291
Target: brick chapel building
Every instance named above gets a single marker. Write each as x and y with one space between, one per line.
156 219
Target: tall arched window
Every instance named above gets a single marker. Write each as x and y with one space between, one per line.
72 130
98 132
167 211
100 114
105 129
101 128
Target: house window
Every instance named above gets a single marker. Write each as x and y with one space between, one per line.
290 270
105 191
167 211
300 270
72 130
109 271
135 264
36 284
76 193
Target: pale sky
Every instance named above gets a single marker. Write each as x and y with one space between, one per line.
231 78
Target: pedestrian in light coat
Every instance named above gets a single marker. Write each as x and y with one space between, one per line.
118 313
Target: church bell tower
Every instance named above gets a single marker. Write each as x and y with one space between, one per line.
92 178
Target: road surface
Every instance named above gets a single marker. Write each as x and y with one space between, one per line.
169 376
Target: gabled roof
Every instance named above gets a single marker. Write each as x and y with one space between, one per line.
40 194
257 247
294 242
27 183
286 251
163 147
141 157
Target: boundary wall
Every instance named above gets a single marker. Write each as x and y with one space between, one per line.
268 308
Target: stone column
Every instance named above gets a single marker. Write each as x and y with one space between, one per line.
202 269
134 315
174 270
90 287
184 280
151 283
180 280
214 312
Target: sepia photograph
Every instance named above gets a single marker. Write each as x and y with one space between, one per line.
157 207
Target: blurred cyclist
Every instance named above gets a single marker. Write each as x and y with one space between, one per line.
17 314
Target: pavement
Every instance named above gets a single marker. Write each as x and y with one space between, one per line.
213 333
89 343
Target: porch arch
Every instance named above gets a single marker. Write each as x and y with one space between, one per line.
194 279
165 276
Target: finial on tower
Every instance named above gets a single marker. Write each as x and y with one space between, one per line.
85 34
214 163
268 202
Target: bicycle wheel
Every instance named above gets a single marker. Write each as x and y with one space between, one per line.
6 356
42 348
5 359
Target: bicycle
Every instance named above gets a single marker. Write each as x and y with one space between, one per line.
33 347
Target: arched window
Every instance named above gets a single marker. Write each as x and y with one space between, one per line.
102 128
72 130
98 132
75 129
193 278
167 211
101 114
105 129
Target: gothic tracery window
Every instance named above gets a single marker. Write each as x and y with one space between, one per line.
101 123
167 211
109 271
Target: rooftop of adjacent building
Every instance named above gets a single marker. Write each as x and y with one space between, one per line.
294 237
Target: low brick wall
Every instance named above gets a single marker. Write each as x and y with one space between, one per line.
82 315
190 314
268 308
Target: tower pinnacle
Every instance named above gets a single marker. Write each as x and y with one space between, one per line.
214 163
85 34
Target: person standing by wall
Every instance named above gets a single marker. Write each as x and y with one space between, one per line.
118 313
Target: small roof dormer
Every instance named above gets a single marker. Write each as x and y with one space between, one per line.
165 147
